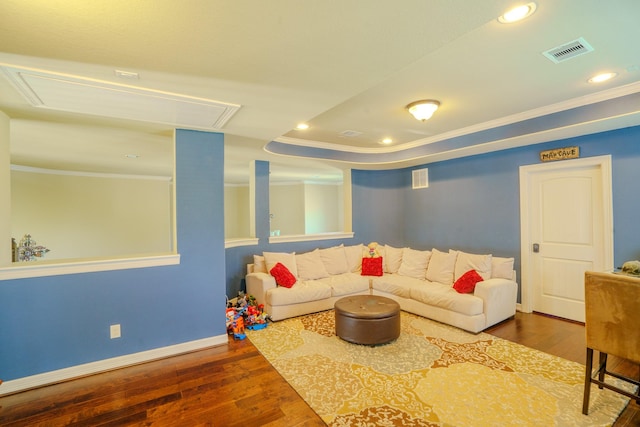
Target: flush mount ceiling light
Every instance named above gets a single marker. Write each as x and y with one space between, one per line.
423 110
386 141
518 13
603 77
302 126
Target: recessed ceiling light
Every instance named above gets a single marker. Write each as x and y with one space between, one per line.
386 141
603 77
518 13
302 126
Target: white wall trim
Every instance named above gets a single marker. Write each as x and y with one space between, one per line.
60 375
246 241
30 169
42 269
310 237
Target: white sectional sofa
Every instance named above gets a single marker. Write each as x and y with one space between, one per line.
422 282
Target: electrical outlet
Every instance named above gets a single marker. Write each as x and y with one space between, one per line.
115 331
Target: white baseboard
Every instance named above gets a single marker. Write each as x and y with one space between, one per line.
77 371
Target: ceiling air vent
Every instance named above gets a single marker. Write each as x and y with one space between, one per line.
420 178
568 50
350 133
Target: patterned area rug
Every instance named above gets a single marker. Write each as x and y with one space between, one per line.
432 375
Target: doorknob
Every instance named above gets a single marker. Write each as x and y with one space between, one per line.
536 248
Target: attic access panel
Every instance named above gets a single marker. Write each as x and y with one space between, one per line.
64 92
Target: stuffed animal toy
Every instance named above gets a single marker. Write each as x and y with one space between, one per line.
372 250
631 267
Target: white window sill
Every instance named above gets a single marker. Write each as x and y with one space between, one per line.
310 237
242 241
53 268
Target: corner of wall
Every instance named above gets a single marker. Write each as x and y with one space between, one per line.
5 190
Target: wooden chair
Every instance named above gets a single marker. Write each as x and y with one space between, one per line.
612 323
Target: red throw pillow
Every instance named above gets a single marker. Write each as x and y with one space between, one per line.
372 266
466 284
283 276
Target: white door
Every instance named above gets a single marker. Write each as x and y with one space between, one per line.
569 233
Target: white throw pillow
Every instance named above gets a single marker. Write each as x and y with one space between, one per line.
354 257
414 263
259 265
502 267
335 260
392 259
441 267
286 259
466 262
310 266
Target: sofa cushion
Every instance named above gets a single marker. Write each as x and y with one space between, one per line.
414 263
466 262
395 284
310 266
441 267
466 284
303 291
286 259
502 267
283 276
392 258
335 260
259 266
354 257
346 284
447 298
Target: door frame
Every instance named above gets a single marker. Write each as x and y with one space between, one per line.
526 175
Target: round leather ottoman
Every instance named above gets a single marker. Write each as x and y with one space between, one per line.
367 319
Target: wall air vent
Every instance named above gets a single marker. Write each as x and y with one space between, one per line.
420 178
568 50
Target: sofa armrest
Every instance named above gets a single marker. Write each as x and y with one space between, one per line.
500 298
258 284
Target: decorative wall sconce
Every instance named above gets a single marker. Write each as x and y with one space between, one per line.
28 250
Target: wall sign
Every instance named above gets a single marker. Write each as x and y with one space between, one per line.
560 154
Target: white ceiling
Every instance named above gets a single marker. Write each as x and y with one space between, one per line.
336 65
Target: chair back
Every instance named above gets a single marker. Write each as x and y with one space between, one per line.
612 314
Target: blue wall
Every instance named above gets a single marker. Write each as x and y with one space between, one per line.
237 258
472 204
378 206
50 323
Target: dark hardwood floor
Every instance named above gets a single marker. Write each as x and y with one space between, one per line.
564 339
233 385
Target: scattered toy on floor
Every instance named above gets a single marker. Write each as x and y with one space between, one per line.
244 312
